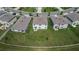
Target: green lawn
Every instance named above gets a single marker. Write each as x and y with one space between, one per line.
65 7
28 9
47 37
49 9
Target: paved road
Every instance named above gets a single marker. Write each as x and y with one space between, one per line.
59 8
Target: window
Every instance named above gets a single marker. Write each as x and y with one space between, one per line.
56 27
14 13
74 23
35 27
22 30
39 24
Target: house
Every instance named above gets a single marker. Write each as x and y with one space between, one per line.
77 9
59 22
40 23
70 10
7 19
55 13
14 12
74 18
7 8
2 12
22 24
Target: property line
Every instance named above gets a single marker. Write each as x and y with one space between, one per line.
40 47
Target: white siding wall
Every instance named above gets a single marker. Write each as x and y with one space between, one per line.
7 25
63 26
56 27
37 27
74 24
3 22
14 30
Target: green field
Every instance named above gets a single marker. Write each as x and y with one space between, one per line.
49 9
28 9
65 7
33 9
42 38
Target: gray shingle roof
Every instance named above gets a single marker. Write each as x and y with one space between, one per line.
73 16
22 23
2 12
40 20
55 13
59 20
6 17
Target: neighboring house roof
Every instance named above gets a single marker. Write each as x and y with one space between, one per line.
59 20
55 13
16 11
45 14
73 16
6 17
40 20
22 23
7 8
2 12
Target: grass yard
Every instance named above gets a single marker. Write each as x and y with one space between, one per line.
12 48
28 9
65 7
47 37
41 38
49 9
